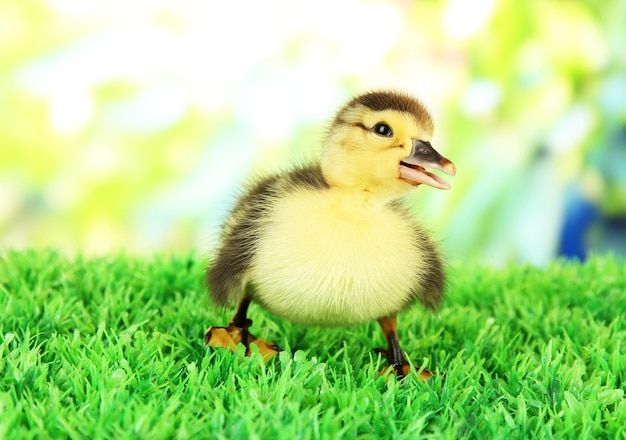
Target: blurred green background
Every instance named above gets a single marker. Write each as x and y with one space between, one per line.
132 124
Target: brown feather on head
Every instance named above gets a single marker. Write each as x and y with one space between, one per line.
389 100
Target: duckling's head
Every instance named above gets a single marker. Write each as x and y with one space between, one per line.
379 142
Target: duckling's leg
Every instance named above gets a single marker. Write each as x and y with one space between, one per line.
394 353
237 332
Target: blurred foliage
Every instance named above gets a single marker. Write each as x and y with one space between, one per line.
131 125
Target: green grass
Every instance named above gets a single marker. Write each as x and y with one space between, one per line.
113 348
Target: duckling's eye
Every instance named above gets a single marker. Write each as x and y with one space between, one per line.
383 129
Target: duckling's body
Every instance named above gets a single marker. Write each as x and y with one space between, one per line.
329 244
322 256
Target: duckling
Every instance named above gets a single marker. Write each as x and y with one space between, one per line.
330 244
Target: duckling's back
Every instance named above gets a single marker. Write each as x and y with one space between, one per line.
320 256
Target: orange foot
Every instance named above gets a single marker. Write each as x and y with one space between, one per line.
229 337
403 370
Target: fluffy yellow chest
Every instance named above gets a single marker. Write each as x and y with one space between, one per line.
326 259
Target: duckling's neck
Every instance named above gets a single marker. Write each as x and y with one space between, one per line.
362 192
358 198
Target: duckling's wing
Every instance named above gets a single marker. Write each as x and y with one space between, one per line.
429 290
227 275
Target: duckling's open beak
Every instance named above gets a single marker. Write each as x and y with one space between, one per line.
412 168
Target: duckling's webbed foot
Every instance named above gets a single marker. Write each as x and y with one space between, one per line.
394 354
237 333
